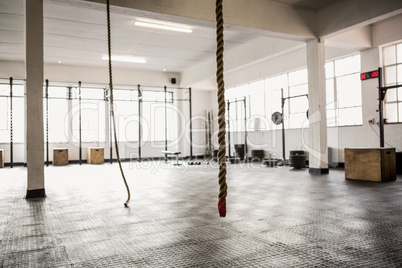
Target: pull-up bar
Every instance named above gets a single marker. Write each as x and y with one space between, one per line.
283 99
382 91
245 126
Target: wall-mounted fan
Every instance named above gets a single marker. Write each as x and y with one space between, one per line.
277 118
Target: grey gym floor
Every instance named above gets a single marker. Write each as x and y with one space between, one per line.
277 217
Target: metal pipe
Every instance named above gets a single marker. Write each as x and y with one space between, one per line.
79 123
165 124
110 134
229 129
283 128
139 121
245 130
191 125
381 107
47 120
11 125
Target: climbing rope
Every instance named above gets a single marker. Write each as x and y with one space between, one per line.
221 110
111 101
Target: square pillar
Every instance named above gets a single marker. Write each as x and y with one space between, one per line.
318 154
34 98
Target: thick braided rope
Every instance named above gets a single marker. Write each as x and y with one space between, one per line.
221 110
111 101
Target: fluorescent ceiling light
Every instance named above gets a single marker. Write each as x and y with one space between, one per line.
164 26
125 59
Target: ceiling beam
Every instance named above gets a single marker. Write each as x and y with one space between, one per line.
258 16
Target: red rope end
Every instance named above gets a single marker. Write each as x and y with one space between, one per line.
222 207
126 204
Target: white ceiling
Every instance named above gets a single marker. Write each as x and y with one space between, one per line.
78 36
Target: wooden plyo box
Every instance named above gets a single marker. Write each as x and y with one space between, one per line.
95 155
60 156
370 164
1 158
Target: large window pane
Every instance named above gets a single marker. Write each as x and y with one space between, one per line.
297 120
329 69
399 53
298 90
58 119
298 105
331 118
126 113
18 119
298 77
349 91
4 120
92 121
391 112
389 55
347 66
390 75
400 111
391 95
399 72
4 90
330 93
392 55
350 116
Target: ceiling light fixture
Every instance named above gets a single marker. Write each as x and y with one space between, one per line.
125 59
164 26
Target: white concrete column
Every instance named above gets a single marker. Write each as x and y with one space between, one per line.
318 154
34 97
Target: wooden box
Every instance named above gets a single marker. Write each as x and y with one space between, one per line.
370 164
60 156
1 158
95 155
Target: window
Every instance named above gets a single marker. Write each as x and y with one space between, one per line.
57 114
343 90
92 115
344 100
126 114
18 112
297 107
153 107
392 57
273 95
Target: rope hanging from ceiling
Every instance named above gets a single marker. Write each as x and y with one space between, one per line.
221 110
111 101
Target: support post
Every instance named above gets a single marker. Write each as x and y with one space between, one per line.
318 149
191 124
139 121
34 98
245 131
11 125
47 120
165 123
229 152
283 128
79 123
381 107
